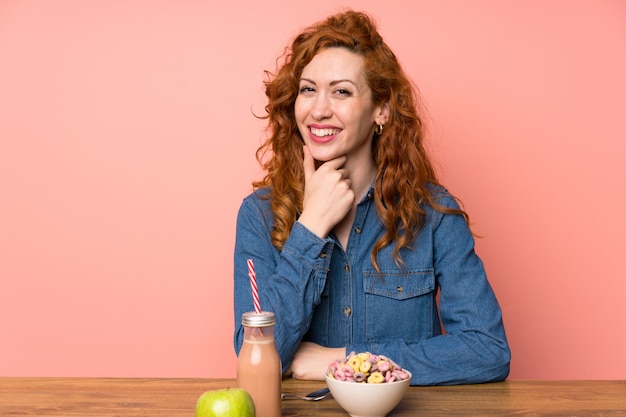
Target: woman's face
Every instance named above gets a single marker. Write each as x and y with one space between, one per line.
334 109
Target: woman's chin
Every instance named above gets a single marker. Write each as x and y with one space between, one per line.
322 157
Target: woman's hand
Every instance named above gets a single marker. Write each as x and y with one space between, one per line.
311 361
328 196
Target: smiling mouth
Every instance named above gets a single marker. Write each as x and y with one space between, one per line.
324 132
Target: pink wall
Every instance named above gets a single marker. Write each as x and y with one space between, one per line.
127 143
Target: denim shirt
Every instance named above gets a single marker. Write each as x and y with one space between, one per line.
333 296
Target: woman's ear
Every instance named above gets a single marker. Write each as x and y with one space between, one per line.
382 115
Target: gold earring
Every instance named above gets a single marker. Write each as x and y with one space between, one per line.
379 129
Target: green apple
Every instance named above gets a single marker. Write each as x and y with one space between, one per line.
226 402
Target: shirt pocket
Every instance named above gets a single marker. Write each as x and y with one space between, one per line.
400 304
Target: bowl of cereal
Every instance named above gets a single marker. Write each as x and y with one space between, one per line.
367 385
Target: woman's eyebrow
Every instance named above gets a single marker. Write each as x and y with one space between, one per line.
343 81
331 83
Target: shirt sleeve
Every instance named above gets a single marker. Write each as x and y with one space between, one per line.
290 282
473 347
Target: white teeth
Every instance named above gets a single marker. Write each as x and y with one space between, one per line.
323 132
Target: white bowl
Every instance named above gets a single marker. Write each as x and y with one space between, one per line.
368 400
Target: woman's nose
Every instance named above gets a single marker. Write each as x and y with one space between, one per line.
321 108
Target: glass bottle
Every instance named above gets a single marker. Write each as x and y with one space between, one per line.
259 370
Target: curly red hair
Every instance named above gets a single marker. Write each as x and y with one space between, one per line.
404 170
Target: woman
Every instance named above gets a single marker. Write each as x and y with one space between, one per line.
351 234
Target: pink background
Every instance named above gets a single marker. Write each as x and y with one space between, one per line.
127 142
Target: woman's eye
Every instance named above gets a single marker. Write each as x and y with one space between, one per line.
306 89
343 92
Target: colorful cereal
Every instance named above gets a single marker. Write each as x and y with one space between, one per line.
368 368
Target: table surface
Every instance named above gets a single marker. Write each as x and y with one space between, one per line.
107 397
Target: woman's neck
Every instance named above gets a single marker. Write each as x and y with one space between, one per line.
362 176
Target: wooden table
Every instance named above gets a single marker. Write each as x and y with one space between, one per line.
106 397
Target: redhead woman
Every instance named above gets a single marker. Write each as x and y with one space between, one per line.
356 244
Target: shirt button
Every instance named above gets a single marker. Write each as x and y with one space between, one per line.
347 311
323 255
399 288
346 268
357 230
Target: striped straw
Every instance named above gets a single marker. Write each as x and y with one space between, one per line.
255 289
